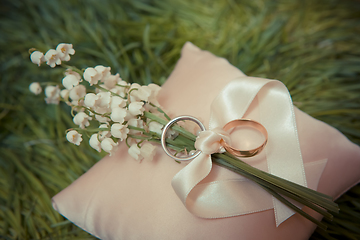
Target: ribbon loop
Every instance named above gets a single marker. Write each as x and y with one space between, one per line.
208 141
283 153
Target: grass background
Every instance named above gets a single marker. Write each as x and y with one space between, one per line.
312 46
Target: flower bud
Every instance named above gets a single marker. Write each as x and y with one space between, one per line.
37 57
35 88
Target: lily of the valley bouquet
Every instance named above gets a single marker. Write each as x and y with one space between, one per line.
130 114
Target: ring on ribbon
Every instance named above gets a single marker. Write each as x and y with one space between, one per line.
215 136
167 127
249 123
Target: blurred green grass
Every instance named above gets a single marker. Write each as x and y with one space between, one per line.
312 46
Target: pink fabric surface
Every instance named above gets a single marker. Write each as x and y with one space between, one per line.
119 198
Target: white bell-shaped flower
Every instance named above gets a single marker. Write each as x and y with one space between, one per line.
52 94
135 152
79 102
70 81
74 137
77 92
119 131
139 93
105 133
35 88
117 101
155 127
118 114
52 58
103 71
95 143
121 88
82 119
134 87
136 108
65 94
102 118
37 57
108 145
148 151
123 83
91 100
104 99
135 122
51 91
121 91
64 50
91 75
71 72
155 89
110 81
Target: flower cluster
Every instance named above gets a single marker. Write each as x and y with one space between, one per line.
53 57
116 106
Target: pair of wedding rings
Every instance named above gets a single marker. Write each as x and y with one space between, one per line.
230 125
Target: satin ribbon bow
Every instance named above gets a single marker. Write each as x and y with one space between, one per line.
236 196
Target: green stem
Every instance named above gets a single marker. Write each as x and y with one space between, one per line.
173 147
275 192
142 137
87 129
264 175
104 89
309 194
124 86
293 207
185 141
177 128
75 69
160 110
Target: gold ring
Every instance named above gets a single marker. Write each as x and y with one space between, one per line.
249 123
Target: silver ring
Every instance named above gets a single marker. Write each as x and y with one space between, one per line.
166 128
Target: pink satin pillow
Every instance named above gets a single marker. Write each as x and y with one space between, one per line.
119 198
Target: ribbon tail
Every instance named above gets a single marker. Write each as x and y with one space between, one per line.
313 171
185 180
276 112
